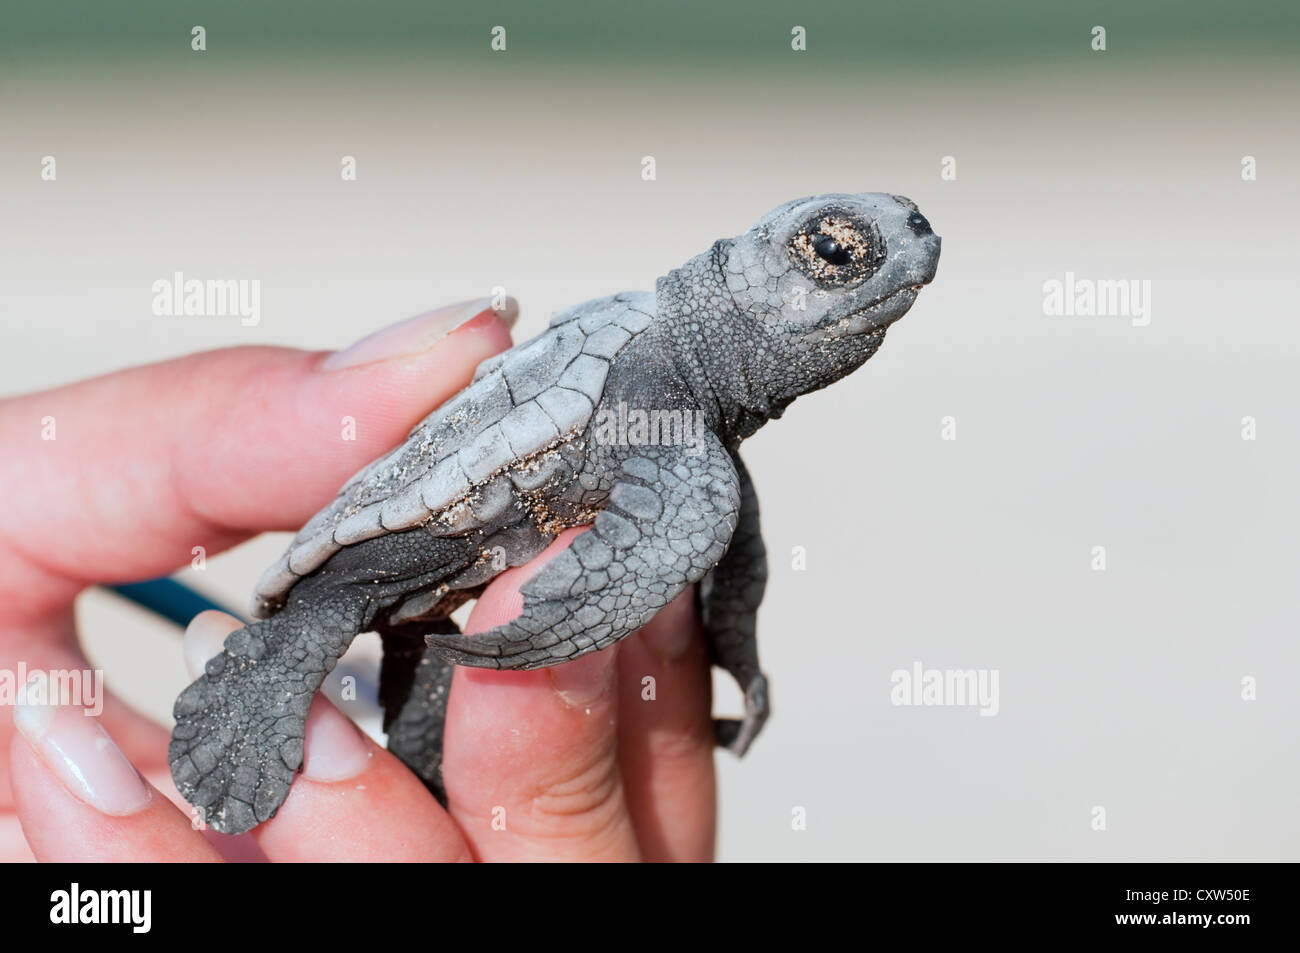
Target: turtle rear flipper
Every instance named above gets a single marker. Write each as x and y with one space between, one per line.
414 688
238 740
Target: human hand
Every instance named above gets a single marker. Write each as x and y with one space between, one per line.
562 763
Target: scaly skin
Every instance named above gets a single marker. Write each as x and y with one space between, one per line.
724 344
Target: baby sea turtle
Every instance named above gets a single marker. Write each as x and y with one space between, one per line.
626 413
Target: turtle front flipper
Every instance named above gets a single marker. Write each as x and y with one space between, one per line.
669 519
728 599
238 740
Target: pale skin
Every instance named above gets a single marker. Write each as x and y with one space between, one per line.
214 448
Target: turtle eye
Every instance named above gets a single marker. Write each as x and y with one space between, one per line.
829 250
837 249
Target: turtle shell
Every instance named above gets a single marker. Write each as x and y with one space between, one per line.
521 405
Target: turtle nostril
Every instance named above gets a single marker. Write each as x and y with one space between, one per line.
919 224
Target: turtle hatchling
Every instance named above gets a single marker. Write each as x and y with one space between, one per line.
627 413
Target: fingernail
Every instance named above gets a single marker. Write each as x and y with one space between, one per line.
80 752
418 333
335 749
583 681
205 637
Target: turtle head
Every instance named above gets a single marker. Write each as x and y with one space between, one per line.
826 269
800 299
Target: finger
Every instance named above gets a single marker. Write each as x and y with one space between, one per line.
148 463
530 760
665 735
353 801
14 848
78 798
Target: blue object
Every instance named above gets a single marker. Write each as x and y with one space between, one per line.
170 599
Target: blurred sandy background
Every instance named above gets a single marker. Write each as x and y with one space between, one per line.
523 169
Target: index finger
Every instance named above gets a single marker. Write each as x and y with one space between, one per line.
143 465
